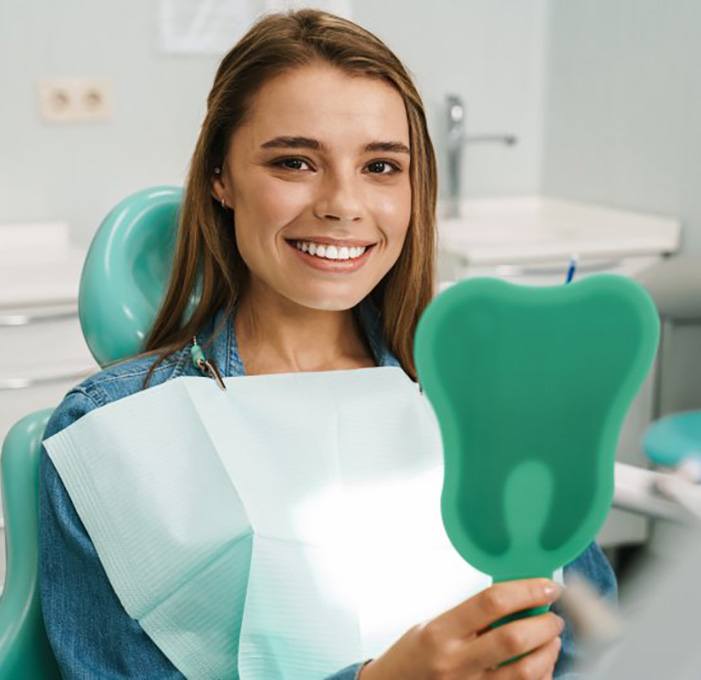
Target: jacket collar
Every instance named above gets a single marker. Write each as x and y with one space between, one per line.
218 340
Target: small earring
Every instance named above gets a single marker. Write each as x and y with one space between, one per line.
223 205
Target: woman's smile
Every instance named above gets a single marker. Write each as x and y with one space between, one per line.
330 257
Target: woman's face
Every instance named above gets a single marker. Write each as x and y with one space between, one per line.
318 178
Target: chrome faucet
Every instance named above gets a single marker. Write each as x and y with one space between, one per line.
456 140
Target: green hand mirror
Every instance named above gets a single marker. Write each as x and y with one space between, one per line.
530 386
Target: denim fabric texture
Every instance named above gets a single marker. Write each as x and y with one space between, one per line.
90 633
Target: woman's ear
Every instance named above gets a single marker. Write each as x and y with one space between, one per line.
219 191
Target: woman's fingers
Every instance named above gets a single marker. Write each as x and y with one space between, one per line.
514 639
454 645
538 664
474 615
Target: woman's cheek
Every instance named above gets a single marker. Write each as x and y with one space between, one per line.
280 202
394 212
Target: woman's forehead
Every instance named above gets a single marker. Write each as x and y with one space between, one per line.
326 104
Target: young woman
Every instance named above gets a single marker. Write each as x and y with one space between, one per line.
308 219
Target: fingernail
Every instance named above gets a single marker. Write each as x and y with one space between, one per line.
562 623
552 589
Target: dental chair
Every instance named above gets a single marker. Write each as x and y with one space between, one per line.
675 285
121 286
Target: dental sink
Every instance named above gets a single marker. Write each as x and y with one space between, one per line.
527 229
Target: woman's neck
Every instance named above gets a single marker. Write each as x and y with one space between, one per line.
276 335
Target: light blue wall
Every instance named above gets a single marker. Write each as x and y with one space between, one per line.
604 95
489 52
623 106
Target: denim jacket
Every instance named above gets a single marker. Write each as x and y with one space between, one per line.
90 633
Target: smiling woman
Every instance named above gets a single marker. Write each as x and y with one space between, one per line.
307 237
296 218
315 144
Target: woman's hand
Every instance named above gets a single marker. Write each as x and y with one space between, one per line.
460 645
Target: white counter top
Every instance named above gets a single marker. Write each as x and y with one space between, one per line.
528 228
38 265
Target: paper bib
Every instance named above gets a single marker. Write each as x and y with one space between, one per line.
283 528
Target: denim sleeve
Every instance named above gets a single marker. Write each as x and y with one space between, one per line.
90 633
348 673
595 568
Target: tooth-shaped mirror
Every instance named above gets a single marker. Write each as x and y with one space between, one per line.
530 386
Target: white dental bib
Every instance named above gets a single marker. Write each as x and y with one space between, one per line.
283 528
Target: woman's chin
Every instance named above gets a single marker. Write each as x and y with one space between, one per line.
329 301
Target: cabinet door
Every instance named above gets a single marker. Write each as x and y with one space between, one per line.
39 343
42 356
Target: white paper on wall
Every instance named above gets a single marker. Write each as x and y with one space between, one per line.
214 26
204 26
340 7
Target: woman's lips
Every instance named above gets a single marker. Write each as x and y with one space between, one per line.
327 240
334 266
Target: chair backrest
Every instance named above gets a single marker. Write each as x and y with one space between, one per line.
126 271
24 649
121 286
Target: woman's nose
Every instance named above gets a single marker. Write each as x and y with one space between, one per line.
339 199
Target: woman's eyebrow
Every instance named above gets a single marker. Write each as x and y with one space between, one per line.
285 142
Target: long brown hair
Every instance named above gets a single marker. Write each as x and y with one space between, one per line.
205 249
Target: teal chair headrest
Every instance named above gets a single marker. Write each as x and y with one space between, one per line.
126 272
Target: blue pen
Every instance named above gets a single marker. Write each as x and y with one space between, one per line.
571 269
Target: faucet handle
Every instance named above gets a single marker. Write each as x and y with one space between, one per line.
456 108
507 139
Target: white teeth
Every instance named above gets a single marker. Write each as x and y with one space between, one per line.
330 252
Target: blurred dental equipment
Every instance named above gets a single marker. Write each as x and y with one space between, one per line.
654 633
660 639
571 269
596 622
673 496
683 485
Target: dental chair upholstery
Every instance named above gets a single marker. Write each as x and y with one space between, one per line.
121 286
24 648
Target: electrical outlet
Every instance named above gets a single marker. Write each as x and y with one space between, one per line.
75 99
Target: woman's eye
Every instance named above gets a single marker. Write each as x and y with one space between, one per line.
290 163
376 167
393 168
